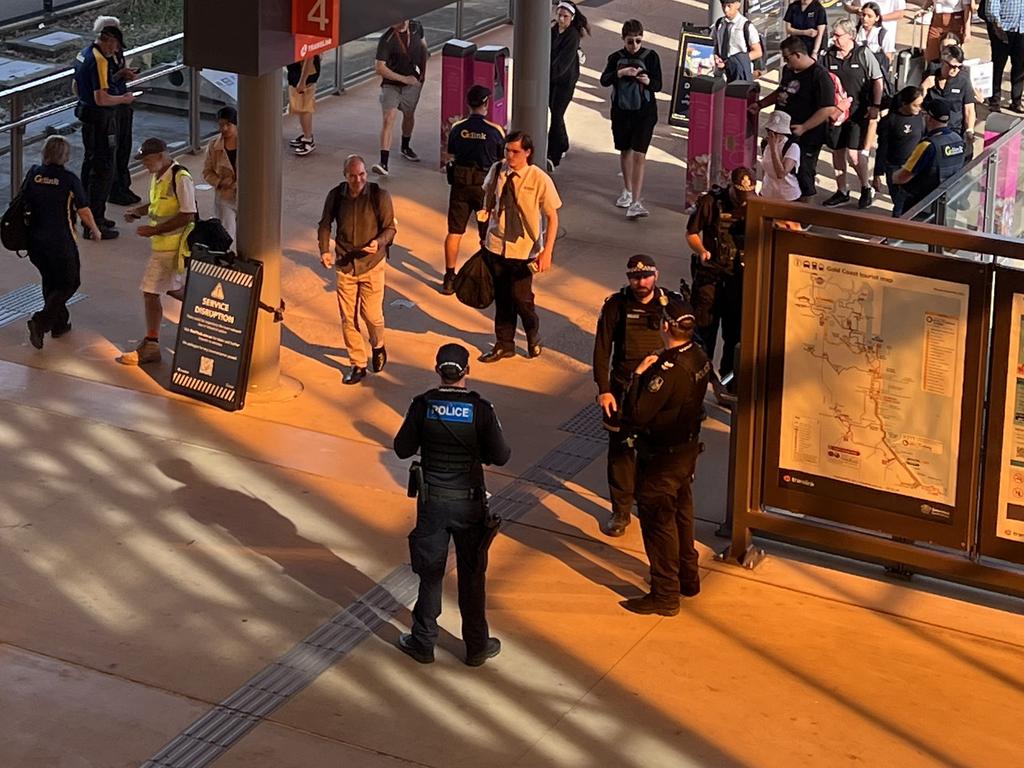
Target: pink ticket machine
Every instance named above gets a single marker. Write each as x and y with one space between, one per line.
739 129
703 145
490 69
457 67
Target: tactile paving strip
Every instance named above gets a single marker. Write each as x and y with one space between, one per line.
25 301
218 730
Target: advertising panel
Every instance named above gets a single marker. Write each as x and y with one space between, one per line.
696 57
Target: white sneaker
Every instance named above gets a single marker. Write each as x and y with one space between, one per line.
305 148
625 199
636 211
380 170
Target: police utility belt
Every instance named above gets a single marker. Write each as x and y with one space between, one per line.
465 175
426 492
643 443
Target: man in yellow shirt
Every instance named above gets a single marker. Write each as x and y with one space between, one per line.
172 213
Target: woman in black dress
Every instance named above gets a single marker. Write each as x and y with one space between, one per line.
569 27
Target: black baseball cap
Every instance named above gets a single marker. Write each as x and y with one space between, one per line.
152 147
452 361
676 310
641 266
115 32
477 95
938 109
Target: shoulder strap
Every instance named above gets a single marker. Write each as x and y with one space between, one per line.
746 35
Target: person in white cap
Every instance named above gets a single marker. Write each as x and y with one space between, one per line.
780 157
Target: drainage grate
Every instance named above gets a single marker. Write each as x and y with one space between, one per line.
24 301
587 423
218 730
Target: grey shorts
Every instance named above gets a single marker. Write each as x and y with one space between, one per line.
404 98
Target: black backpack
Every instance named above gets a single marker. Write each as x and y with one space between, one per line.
14 224
629 95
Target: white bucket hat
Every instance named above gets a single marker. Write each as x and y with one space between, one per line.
778 122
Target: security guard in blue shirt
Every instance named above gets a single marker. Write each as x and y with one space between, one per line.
474 145
939 156
628 330
456 431
664 410
120 77
96 111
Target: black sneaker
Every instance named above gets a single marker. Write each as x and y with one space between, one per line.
411 647
867 197
305 148
534 349
448 286
492 649
124 198
408 154
297 141
689 588
646 606
35 334
1017 107
378 359
355 375
616 525
56 333
839 198
495 354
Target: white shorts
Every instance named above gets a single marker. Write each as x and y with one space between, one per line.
160 275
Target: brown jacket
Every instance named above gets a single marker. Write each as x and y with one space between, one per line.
218 172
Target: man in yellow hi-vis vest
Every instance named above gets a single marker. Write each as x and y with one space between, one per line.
172 214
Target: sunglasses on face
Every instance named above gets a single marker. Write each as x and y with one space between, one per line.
634 40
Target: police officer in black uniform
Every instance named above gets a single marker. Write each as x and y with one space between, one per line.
628 330
939 156
715 233
456 431
474 145
664 410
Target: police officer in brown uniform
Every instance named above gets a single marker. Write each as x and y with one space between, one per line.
663 412
628 330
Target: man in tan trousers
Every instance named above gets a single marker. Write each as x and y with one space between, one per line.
363 218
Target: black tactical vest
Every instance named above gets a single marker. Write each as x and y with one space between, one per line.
448 443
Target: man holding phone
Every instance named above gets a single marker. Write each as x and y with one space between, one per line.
121 75
363 217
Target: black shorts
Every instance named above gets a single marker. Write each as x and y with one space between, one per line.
463 202
633 130
849 135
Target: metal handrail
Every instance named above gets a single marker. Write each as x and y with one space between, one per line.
64 105
65 73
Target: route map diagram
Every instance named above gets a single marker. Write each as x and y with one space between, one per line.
873 378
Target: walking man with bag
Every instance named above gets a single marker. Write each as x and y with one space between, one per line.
522 205
363 218
474 144
456 432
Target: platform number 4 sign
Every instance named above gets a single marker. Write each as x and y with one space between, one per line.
315 26
318 15
316 18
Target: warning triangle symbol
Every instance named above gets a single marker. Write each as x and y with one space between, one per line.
218 292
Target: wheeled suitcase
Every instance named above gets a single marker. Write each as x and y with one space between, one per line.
910 62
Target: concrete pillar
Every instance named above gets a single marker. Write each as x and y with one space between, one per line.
714 11
259 211
531 53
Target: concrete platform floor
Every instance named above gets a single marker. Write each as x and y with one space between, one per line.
157 554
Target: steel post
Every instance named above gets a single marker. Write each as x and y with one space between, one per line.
259 211
531 52
17 146
195 139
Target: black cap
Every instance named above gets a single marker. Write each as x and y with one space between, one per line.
478 95
675 310
452 361
152 147
641 266
115 32
938 109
